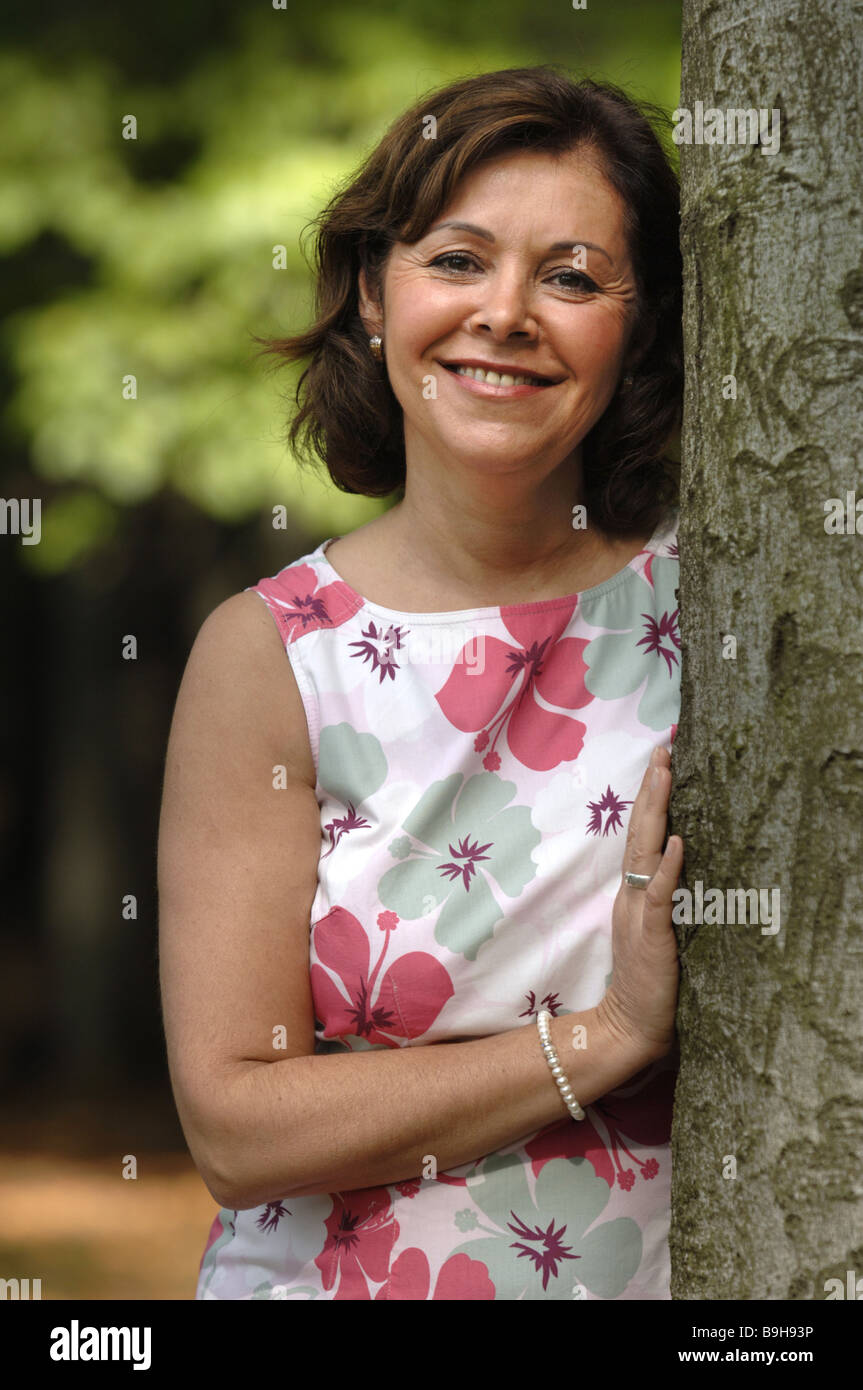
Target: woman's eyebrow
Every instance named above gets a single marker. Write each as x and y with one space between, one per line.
489 236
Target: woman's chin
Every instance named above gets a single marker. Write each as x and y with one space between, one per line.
499 462
503 458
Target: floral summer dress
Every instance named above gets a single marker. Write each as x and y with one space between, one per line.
475 775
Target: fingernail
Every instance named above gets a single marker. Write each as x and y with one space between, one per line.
654 777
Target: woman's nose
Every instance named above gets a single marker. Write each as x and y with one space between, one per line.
504 307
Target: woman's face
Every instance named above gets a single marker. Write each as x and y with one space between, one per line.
538 282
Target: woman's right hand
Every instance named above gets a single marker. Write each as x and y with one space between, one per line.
640 1002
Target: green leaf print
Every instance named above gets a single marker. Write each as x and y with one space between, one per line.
539 1249
467 839
648 654
351 766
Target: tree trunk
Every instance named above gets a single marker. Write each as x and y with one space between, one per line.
768 761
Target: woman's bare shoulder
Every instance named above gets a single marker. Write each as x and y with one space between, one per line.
238 678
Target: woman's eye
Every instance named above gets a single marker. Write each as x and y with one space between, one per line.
449 257
459 262
575 280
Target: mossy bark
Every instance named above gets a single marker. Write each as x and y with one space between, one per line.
768 760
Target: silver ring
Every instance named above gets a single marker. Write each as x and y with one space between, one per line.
638 880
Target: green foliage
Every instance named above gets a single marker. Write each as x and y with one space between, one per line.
176 230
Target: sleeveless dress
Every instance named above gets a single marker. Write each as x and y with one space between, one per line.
475 775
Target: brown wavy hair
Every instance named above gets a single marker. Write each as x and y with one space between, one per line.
346 411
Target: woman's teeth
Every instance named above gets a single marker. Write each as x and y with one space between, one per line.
498 378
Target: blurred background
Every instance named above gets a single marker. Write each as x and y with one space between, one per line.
153 258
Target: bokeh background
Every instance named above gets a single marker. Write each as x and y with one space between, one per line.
153 257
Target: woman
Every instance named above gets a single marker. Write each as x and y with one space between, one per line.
413 832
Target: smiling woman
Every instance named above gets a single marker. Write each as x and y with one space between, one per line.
567 333
406 211
419 1008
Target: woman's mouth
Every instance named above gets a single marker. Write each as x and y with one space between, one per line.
503 385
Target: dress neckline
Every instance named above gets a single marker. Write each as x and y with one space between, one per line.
633 566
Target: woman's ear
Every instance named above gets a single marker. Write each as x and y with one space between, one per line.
369 307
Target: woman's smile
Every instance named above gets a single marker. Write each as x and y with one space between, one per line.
498 386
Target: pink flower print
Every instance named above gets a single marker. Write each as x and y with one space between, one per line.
299 605
463 1278
407 1001
563 1139
379 647
361 1233
503 696
460 1279
409 1188
644 1118
608 805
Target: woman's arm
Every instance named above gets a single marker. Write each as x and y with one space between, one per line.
237 877
363 1119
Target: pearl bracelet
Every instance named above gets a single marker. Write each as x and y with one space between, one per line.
543 1020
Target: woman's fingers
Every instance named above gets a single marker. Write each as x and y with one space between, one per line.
648 821
635 814
659 893
643 991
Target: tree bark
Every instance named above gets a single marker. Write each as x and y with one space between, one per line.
768 760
